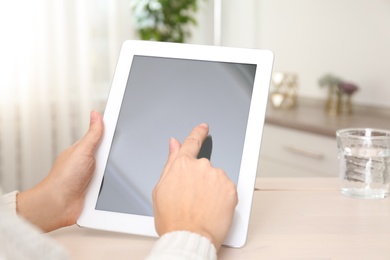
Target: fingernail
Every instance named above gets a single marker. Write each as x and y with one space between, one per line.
174 145
171 144
204 125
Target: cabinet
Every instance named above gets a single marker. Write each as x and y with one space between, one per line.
287 152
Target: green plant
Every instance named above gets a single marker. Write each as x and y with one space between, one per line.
164 20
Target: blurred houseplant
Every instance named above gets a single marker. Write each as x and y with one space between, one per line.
164 20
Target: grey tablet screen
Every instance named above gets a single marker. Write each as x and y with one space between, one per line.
167 97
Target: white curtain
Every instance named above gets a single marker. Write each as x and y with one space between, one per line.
57 58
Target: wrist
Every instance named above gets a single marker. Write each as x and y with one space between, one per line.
39 207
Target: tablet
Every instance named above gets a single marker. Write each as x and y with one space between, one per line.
162 90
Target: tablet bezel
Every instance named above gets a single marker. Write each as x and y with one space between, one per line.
144 225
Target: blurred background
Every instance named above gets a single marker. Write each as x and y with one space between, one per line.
57 58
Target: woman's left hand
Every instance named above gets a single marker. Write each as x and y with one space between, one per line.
57 201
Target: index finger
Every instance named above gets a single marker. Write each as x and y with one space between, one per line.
194 141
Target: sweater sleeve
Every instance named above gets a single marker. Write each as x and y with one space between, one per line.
21 240
183 245
10 201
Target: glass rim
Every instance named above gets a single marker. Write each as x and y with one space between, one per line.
351 133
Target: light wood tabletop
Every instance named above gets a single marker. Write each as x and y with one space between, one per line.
292 218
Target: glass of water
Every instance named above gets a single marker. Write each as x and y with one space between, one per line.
364 162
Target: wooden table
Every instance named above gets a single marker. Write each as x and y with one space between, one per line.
292 218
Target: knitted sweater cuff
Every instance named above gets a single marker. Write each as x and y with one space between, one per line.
10 201
183 245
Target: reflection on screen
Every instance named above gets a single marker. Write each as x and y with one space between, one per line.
165 98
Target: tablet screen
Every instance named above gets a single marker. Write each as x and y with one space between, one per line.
167 97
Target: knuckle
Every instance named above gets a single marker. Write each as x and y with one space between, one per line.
204 161
222 173
184 158
194 141
154 192
230 186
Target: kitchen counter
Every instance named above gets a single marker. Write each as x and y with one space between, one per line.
310 116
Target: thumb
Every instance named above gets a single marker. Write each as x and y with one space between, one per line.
95 132
174 147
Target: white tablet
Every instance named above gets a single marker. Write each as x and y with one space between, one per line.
162 90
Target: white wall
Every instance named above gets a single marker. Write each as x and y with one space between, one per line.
349 38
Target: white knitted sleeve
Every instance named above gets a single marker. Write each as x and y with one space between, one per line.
10 201
21 240
183 245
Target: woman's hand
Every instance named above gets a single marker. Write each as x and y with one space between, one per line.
57 201
192 195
